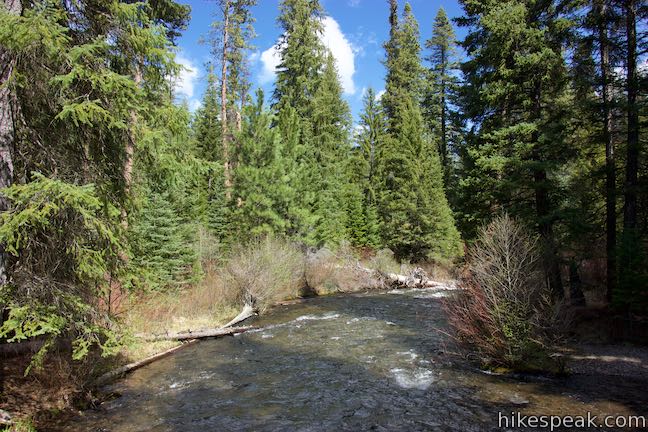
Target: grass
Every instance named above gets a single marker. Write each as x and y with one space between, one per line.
207 305
21 425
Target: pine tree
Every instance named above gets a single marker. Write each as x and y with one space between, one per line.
230 41
441 87
362 172
415 217
371 139
302 55
330 123
299 196
213 207
260 178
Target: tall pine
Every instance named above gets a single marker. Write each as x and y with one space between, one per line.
417 222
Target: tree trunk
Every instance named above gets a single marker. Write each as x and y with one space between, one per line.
119 372
201 334
7 131
610 168
632 162
225 137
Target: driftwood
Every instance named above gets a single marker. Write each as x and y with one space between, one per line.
416 279
119 372
247 312
200 334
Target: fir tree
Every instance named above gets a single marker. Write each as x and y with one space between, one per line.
441 87
302 55
162 242
330 140
416 220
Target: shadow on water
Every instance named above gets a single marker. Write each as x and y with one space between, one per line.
341 363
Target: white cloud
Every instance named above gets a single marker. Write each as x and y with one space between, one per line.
186 80
254 56
332 38
354 3
342 50
380 94
270 59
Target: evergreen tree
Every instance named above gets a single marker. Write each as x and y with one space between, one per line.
162 242
516 93
230 42
260 178
416 220
298 195
330 124
98 74
363 171
302 55
442 84
213 206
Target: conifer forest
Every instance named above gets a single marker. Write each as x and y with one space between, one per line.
493 178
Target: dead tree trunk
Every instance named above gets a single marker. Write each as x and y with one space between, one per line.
119 372
200 334
225 136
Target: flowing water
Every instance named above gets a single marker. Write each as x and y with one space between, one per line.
375 361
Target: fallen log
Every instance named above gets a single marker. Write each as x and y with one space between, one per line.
190 337
200 334
416 279
119 372
247 312
410 281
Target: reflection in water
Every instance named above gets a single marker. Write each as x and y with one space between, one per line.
372 361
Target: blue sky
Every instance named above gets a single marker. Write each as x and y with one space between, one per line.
354 31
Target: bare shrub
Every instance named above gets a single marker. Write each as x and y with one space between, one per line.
265 271
330 271
505 310
320 270
439 270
